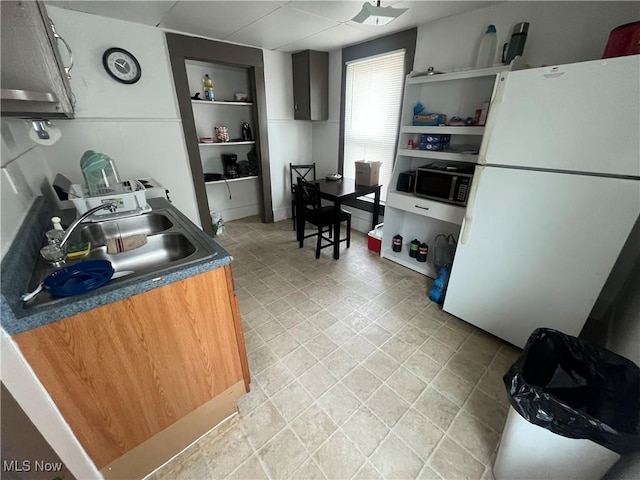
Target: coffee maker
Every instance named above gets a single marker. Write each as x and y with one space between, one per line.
230 162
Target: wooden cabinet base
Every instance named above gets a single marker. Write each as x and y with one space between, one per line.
163 446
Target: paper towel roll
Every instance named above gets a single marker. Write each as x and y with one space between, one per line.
54 135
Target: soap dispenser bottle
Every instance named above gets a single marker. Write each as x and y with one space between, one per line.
56 234
487 50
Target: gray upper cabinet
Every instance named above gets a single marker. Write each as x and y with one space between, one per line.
311 85
34 79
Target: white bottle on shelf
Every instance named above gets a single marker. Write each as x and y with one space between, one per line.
487 50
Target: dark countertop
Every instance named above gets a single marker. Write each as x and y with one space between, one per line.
20 259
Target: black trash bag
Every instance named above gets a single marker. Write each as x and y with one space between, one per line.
577 390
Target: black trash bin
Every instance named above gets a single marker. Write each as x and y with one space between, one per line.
574 410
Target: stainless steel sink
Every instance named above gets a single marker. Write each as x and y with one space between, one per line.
171 243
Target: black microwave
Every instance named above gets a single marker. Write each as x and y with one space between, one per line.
448 184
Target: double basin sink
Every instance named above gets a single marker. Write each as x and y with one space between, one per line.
171 243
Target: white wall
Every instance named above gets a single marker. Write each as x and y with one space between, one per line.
559 32
25 175
137 125
290 141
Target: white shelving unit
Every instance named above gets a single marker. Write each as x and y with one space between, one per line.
224 111
457 94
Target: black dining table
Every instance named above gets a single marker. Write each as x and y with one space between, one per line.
338 191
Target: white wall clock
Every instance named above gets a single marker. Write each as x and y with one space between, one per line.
121 65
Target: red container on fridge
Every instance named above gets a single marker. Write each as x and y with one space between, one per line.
623 40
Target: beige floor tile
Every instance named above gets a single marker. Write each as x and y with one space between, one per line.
313 427
422 366
309 470
473 435
420 433
381 364
359 348
262 424
492 385
368 472
466 368
339 333
450 337
406 384
500 364
296 298
252 340
436 408
292 400
225 452
376 334
250 401
425 323
387 405
451 461
478 351
323 320
317 380
398 349
248 304
361 382
290 318
277 307
391 321
261 358
320 346
283 345
412 335
487 410
274 378
308 308
339 363
429 473
365 430
339 403
299 361
283 454
394 459
250 469
452 386
372 311
357 320
258 317
269 330
304 331
339 458
437 350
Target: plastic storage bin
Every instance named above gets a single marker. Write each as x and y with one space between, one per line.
574 410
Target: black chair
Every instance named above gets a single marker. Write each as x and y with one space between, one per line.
310 210
307 173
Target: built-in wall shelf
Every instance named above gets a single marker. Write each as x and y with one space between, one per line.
211 144
444 130
436 155
424 77
219 102
229 180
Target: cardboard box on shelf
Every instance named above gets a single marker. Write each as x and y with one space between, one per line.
367 173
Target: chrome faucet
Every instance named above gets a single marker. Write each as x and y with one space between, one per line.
109 205
56 253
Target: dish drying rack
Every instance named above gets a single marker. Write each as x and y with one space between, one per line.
131 202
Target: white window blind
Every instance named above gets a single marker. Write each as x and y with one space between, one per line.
373 95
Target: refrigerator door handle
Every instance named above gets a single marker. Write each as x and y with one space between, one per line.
465 230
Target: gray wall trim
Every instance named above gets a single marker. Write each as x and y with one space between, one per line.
396 41
183 48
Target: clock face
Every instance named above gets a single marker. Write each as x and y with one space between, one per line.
121 65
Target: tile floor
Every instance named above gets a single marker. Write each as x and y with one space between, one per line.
355 373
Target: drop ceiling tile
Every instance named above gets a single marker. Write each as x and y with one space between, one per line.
147 12
339 11
334 38
216 19
280 28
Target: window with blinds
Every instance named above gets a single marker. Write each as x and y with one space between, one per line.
373 95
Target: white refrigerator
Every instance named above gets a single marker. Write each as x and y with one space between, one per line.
553 199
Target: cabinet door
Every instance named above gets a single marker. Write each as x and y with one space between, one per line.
123 372
301 103
31 64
